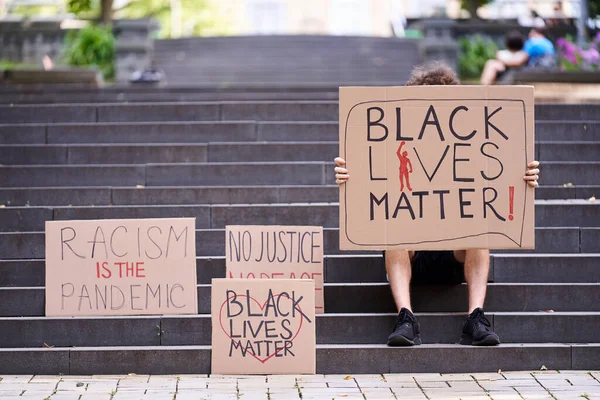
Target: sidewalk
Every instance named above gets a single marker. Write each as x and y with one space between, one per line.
557 385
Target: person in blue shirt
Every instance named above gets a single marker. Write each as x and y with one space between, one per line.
539 49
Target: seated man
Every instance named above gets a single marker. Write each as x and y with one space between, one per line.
512 57
400 264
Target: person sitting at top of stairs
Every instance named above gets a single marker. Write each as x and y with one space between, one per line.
402 264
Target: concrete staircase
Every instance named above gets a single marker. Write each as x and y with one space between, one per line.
288 59
270 163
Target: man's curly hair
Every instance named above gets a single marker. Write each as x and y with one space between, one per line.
433 74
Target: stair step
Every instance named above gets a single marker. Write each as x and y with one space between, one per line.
177 153
228 111
242 131
560 173
546 268
151 132
228 174
567 151
48 176
211 242
587 111
548 213
181 95
140 153
331 329
22 134
168 132
193 111
566 191
331 359
377 298
172 195
504 268
563 130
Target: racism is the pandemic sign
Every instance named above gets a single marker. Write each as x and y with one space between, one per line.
263 326
121 267
436 167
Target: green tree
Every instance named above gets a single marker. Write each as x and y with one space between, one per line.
594 8
198 17
79 7
101 9
34 10
92 46
473 5
475 50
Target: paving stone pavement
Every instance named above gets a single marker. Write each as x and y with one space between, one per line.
523 385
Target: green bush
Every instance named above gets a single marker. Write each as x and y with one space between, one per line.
7 65
474 52
92 46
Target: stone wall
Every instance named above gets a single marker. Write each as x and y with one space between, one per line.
439 41
26 41
134 46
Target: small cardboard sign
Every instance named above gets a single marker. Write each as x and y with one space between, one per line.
121 267
436 167
263 326
276 252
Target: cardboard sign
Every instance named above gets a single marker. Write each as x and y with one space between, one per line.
121 267
263 326
436 167
276 252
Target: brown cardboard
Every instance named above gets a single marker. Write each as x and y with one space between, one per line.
374 167
263 326
276 252
121 267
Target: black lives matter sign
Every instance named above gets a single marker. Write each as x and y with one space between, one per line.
436 167
263 326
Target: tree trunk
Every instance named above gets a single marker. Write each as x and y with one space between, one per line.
107 11
472 6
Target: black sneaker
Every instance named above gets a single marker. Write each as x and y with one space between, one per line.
477 330
406 332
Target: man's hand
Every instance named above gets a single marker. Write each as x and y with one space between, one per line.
531 175
341 173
